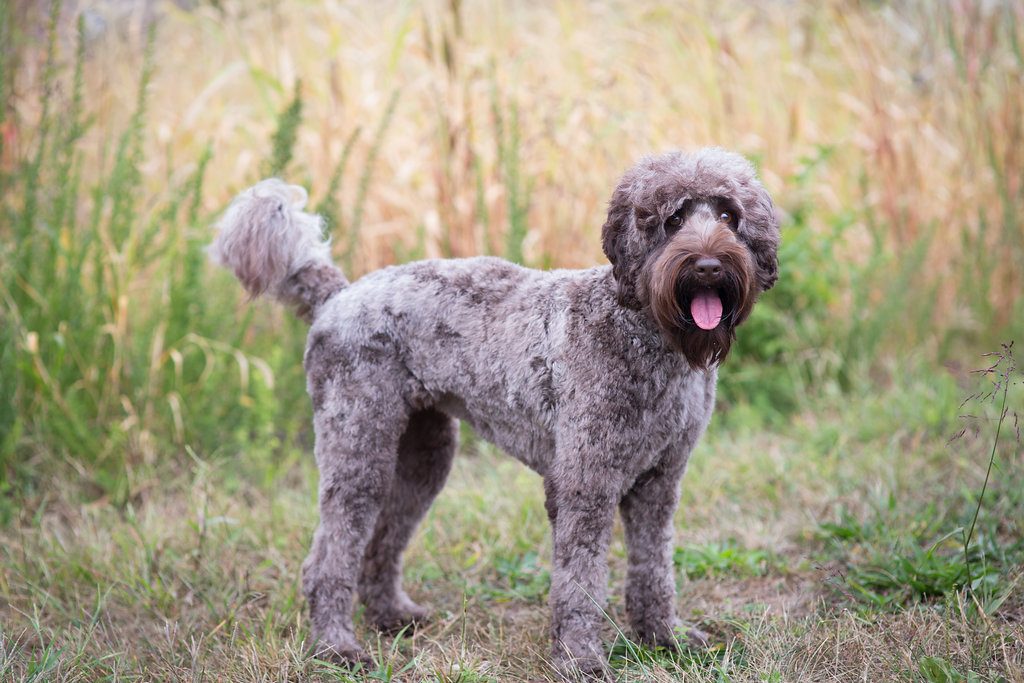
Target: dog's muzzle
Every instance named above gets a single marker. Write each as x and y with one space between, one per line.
699 289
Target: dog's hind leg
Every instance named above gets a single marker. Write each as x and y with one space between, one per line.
425 455
358 425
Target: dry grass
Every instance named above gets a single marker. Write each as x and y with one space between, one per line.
197 577
920 103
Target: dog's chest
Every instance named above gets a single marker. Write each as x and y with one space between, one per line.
676 410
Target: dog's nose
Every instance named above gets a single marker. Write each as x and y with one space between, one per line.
708 268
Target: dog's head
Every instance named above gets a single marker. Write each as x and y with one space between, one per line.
693 238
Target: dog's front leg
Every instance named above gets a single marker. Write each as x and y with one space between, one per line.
647 512
582 527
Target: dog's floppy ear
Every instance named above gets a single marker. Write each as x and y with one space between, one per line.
762 234
615 242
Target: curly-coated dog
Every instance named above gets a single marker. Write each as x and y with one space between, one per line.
601 380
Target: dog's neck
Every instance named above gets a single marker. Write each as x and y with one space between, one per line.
639 325
636 323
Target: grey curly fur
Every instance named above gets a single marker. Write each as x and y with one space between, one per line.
596 379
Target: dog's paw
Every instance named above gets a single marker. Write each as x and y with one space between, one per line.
346 652
694 638
673 639
394 618
589 670
663 635
581 662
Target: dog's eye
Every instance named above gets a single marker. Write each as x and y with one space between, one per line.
674 221
725 217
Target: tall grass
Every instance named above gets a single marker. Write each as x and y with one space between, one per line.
1002 374
466 128
115 350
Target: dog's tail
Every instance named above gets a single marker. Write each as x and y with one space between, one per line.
272 245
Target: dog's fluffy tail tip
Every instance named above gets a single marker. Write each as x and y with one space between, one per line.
273 245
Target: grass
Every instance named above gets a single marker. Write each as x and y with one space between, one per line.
728 558
156 492
197 576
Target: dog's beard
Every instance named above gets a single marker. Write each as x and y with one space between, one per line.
697 320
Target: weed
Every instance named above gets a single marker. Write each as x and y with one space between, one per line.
519 577
283 145
507 135
1003 370
938 670
356 223
893 564
330 207
724 559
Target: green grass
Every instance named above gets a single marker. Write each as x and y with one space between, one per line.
197 575
724 559
902 566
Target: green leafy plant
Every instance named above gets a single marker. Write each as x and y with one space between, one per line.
721 559
938 670
896 559
519 577
283 143
779 352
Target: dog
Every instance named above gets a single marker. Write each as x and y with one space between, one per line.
601 380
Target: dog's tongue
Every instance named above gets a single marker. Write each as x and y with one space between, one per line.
706 309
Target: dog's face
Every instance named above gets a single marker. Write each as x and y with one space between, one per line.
693 238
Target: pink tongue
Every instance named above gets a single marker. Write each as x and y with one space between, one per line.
706 309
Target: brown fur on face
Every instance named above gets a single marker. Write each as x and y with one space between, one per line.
653 266
671 284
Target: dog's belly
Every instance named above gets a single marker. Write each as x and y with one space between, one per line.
532 446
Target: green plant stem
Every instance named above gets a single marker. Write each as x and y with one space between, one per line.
988 474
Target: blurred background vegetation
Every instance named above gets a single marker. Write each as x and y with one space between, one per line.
889 133
154 428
